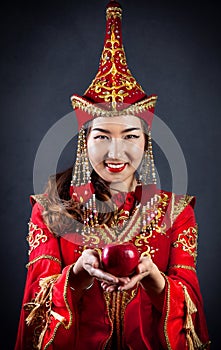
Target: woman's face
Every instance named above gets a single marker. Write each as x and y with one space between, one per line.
115 149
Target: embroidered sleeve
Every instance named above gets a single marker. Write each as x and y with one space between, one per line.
35 237
183 312
187 241
40 310
48 299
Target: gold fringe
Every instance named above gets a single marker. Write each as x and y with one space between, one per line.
57 316
96 111
40 308
193 340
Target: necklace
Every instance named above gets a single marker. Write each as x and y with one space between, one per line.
142 221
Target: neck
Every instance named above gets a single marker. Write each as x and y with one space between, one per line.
122 187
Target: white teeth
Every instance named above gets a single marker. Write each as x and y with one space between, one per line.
115 166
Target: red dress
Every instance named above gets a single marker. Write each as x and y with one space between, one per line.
54 316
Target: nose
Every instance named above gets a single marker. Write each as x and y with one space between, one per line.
116 150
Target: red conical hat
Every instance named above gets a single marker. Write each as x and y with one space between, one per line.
114 91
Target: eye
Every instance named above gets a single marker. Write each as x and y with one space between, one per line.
101 137
131 136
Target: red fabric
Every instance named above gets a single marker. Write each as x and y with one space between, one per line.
147 324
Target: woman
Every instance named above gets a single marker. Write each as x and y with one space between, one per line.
70 302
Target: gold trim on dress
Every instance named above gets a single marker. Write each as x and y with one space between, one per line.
50 257
187 267
41 199
167 311
116 303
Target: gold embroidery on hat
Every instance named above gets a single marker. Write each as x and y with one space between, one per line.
113 12
95 111
122 79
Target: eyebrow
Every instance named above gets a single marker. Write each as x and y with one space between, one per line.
108 132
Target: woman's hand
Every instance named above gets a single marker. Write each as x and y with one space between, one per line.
146 273
88 267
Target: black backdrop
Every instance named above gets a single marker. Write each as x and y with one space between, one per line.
50 50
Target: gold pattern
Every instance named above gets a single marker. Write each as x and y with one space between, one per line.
178 207
136 228
35 237
141 242
107 298
103 234
122 80
142 239
113 12
167 311
116 303
187 240
127 297
95 111
40 309
120 216
50 257
193 340
118 320
68 308
41 199
187 267
124 233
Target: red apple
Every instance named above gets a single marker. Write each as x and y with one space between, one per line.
120 259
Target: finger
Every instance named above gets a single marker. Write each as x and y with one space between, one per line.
104 285
121 281
124 280
134 280
101 275
129 285
111 289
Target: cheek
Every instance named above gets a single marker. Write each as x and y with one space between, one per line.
136 151
95 152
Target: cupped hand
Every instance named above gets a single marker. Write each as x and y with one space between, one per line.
143 269
146 273
88 267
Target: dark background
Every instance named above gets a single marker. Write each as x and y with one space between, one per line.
50 50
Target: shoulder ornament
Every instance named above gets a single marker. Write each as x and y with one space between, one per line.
178 205
42 199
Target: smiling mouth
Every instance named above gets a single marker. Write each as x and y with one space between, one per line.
115 167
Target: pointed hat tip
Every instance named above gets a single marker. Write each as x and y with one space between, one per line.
112 3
